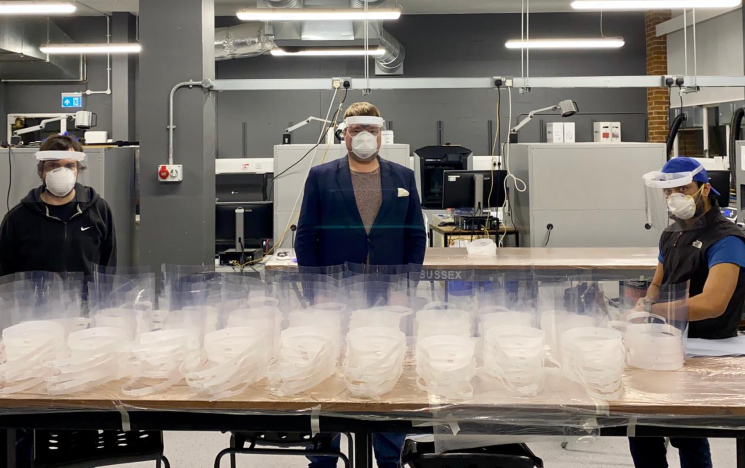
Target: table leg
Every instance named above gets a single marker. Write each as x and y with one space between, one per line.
363 450
740 453
9 437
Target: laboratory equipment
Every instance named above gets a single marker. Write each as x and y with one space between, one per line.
578 195
719 181
567 107
432 162
477 189
606 132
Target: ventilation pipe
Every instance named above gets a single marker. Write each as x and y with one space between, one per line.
284 3
242 41
394 54
361 3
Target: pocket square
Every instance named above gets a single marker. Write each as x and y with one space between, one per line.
403 193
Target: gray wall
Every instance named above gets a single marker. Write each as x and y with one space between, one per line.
45 97
442 46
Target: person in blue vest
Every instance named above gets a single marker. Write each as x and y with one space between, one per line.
704 248
361 209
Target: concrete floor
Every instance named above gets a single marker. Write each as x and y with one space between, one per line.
198 450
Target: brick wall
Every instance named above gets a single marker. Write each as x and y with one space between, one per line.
658 99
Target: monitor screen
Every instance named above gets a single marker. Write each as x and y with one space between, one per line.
258 223
459 189
720 181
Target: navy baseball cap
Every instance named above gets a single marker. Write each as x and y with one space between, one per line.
684 164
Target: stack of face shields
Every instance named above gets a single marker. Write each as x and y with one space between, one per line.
260 313
308 355
445 366
325 315
654 346
594 358
482 248
440 318
374 360
157 357
27 347
515 355
497 316
124 319
232 359
556 322
95 359
385 316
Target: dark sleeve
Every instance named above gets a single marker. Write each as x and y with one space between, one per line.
306 240
108 248
8 248
415 235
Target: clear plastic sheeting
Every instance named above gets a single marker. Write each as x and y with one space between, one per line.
465 352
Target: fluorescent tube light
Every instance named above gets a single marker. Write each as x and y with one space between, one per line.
90 49
328 52
317 14
36 8
651 4
600 43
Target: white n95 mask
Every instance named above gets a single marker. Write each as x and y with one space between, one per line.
365 145
682 206
60 181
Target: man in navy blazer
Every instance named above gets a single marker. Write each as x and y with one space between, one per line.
365 210
361 209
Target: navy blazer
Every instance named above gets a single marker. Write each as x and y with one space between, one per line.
330 230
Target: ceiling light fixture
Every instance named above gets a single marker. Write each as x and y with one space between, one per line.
328 52
317 14
600 43
36 8
607 5
90 49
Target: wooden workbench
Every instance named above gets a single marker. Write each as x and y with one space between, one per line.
618 259
710 387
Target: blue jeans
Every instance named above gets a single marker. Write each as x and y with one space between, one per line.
649 452
387 448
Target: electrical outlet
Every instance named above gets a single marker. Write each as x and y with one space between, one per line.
341 82
170 173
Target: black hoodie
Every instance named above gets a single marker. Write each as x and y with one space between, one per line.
32 240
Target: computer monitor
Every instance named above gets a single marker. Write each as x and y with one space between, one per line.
720 181
242 187
459 189
258 224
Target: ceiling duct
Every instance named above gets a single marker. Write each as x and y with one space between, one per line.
21 59
254 39
392 60
284 3
370 3
242 41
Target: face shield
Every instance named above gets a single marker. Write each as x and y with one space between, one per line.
672 199
61 170
365 132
